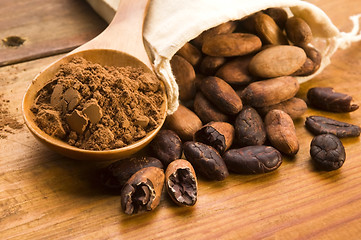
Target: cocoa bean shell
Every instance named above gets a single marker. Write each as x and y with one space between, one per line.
181 182
142 192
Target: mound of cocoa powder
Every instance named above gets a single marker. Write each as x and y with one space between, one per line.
98 107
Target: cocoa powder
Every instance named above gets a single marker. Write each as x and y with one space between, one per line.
98 107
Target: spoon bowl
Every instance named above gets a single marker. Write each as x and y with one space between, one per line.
120 45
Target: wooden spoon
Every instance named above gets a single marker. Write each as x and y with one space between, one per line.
120 44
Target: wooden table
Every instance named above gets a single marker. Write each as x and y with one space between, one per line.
46 196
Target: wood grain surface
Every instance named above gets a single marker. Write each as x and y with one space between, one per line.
46 196
48 27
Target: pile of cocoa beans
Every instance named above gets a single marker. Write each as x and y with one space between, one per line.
237 91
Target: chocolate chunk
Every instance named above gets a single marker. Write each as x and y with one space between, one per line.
77 121
72 97
93 111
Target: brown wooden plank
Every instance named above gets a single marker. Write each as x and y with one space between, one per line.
46 196
48 27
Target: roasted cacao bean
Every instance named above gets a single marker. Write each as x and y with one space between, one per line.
327 152
206 160
207 111
322 125
253 159
181 182
219 135
295 107
185 77
270 92
115 175
325 98
222 95
167 146
236 71
184 122
142 192
281 132
249 128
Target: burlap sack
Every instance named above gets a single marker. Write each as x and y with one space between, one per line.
172 23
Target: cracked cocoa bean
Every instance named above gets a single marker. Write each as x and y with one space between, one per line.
249 128
327 152
222 95
181 182
167 146
253 159
142 191
206 160
281 132
219 135
321 125
325 98
115 175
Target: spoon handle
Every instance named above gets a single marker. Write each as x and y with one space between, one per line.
125 32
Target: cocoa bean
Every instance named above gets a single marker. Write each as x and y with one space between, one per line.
325 98
277 61
253 159
185 77
167 146
327 152
227 27
322 125
206 160
267 29
232 44
281 132
115 175
298 31
190 53
236 71
279 15
181 182
222 95
206 111
184 122
219 135
249 128
295 107
270 92
142 192
209 65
